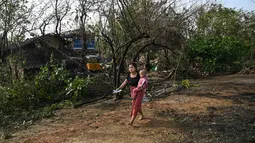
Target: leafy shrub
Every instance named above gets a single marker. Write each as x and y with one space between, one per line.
16 98
218 55
54 84
5 74
21 96
76 88
185 83
50 84
52 88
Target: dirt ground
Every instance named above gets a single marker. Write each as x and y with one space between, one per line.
218 109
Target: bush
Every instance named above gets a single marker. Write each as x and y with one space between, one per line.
76 88
19 96
55 84
5 74
218 55
50 84
185 83
52 88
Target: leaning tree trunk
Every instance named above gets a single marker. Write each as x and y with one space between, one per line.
3 46
84 43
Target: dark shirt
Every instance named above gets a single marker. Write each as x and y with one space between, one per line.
133 81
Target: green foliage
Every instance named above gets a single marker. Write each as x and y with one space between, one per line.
14 17
220 21
48 110
76 88
223 40
226 54
55 84
5 74
20 96
50 84
53 88
185 83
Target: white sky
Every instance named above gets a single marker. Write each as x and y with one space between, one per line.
69 23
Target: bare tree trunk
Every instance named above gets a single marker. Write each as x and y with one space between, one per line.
252 54
148 64
4 39
110 42
114 68
43 26
59 14
83 18
84 42
57 17
3 46
113 34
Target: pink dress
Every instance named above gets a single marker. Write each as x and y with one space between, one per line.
139 92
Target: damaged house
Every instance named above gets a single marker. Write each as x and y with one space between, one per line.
28 57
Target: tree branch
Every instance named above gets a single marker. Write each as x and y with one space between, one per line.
133 21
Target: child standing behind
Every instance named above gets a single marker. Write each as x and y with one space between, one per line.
137 95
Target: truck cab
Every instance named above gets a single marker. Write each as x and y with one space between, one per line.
93 63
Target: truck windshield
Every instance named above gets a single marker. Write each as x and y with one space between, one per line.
92 60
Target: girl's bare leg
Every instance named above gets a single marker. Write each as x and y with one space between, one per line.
142 116
132 120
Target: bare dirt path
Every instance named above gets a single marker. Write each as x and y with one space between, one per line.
220 110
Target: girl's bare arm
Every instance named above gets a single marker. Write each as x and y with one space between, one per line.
123 84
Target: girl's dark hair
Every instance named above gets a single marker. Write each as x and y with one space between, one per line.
133 64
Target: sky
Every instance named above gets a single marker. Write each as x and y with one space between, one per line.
247 5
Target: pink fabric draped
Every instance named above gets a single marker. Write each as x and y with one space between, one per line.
139 91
